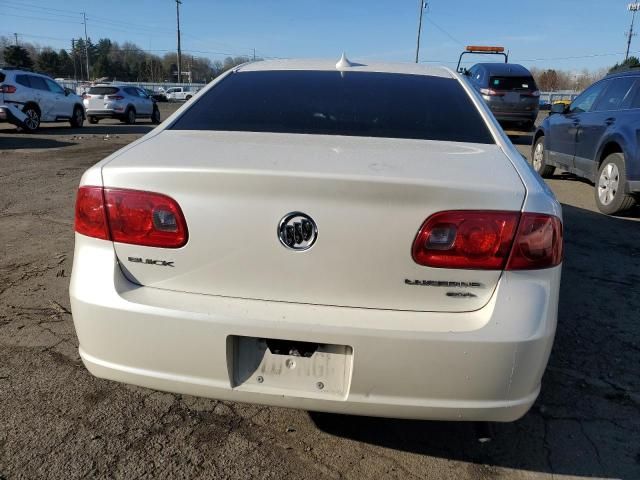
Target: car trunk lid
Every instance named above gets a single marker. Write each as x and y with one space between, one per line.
367 196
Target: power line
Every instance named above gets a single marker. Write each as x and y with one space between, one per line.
451 37
39 18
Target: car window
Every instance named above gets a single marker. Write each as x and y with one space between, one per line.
367 104
53 86
512 83
586 99
142 93
103 90
618 94
2 77
131 91
38 83
23 80
171 90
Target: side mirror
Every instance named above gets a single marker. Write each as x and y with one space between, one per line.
559 108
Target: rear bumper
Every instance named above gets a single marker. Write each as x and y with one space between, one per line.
481 365
111 113
529 116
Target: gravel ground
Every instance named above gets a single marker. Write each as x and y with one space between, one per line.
57 421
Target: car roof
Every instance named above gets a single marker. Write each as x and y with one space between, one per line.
24 71
624 73
504 69
330 65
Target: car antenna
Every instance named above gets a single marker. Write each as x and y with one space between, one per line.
344 62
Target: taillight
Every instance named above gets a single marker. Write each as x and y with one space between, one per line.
7 89
491 92
131 216
90 215
482 240
538 243
535 93
115 97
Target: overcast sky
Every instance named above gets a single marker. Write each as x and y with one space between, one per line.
546 33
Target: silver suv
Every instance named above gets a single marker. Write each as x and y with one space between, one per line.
124 102
36 98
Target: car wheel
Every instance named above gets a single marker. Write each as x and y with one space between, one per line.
93 120
539 159
130 116
155 116
78 118
188 97
32 122
610 184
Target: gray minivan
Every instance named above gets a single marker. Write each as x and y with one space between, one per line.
509 90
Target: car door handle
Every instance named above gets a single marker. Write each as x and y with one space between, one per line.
609 121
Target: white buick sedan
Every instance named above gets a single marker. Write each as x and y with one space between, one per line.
349 238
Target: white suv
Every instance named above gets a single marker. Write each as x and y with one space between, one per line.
40 98
123 102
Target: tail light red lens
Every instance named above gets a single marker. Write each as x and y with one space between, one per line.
482 240
7 89
466 239
131 216
538 243
491 92
90 214
115 97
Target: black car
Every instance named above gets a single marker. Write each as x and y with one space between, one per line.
509 90
596 137
157 96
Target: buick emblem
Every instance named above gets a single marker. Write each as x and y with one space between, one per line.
297 231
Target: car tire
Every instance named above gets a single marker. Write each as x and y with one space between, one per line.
155 116
93 120
188 97
32 123
77 119
130 116
610 185
539 159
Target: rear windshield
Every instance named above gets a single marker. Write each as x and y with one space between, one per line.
103 90
333 103
512 83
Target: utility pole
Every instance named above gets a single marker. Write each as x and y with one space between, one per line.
86 42
254 54
178 3
633 8
73 55
16 37
423 6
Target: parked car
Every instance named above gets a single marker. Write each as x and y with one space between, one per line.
40 98
510 91
158 96
127 103
175 94
319 250
595 137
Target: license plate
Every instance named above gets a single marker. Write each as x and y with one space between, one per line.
292 371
